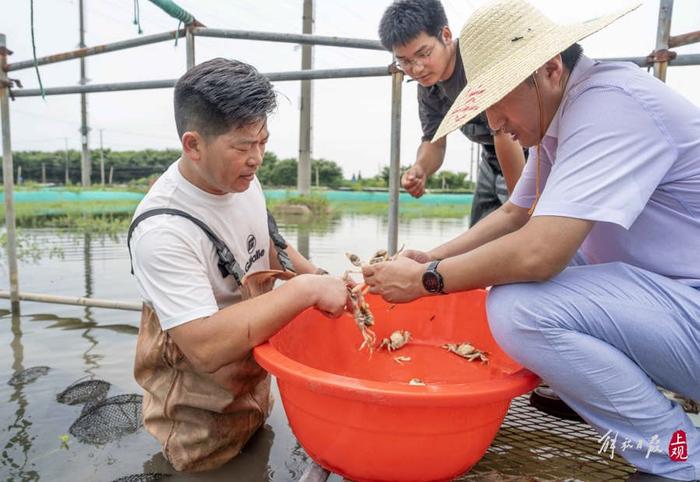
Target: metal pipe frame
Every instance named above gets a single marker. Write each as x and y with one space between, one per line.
189 49
304 39
680 61
8 178
356 72
169 83
663 35
684 39
295 38
75 300
98 49
395 159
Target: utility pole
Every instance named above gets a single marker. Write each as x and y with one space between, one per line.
86 164
102 161
66 158
305 127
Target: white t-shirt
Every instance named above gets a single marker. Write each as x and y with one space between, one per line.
175 263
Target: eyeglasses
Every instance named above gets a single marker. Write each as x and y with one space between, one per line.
421 58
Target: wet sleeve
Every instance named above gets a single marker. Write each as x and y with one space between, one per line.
172 275
431 110
612 154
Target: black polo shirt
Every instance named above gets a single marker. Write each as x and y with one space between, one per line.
434 102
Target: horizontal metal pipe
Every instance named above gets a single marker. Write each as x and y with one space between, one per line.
99 49
290 38
684 39
202 32
88 89
72 300
169 83
328 74
680 61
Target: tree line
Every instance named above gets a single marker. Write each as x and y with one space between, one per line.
122 167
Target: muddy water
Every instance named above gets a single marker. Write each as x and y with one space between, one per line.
76 342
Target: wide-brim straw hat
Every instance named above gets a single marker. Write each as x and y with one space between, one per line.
501 45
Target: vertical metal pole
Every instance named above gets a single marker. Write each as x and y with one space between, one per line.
189 48
7 177
305 126
43 173
65 155
102 160
394 166
663 34
86 163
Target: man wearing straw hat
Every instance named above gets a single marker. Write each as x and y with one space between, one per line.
416 32
594 260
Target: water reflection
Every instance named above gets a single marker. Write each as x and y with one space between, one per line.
15 453
69 323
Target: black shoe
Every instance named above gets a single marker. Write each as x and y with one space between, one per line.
645 477
545 400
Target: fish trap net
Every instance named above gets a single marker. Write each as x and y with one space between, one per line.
84 391
108 419
141 477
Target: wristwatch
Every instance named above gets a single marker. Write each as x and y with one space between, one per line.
432 280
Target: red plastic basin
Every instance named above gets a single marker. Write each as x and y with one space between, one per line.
357 416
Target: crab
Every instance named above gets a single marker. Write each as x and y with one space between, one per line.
379 256
356 295
396 340
354 259
363 317
467 350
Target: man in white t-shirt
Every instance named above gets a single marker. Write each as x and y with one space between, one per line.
203 311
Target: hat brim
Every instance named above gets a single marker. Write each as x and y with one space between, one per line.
492 85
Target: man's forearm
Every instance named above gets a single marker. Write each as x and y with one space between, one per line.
229 334
527 254
506 219
431 155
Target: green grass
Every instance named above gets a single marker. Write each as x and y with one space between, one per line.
406 211
106 217
111 217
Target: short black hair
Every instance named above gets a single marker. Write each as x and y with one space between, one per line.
220 94
571 55
404 20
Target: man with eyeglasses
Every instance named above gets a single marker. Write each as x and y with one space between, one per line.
417 33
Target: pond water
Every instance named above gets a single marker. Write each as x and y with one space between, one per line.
76 342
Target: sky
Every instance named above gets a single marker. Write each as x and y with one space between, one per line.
351 117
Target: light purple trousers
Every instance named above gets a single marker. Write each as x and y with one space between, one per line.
603 337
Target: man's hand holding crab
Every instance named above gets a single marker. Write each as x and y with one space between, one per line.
397 281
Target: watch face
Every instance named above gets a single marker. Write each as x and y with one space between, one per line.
430 282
